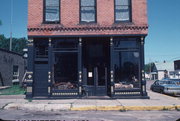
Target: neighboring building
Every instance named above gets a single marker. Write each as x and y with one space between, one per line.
162 70
12 67
177 65
177 69
86 47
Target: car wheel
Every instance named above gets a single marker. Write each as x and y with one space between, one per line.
161 91
151 89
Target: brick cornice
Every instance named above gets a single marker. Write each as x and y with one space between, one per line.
88 28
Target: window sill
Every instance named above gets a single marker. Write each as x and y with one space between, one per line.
48 22
88 23
123 22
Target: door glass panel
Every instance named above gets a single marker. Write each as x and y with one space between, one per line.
126 69
90 76
101 75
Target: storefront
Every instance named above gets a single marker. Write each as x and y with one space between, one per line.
76 67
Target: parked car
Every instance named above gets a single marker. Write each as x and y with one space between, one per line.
167 86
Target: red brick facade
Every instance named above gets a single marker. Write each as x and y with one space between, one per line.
70 25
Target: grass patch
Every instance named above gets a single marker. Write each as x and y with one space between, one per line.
13 90
29 100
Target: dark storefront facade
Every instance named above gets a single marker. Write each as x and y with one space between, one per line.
87 66
90 54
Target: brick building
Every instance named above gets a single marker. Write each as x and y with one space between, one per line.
86 48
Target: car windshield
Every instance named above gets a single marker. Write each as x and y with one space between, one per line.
163 82
170 81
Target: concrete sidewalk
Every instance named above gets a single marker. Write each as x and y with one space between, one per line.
156 102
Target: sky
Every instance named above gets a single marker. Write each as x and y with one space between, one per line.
161 44
19 28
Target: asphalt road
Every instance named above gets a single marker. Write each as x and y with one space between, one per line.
91 115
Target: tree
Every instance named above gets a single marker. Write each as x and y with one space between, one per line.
18 44
4 42
149 67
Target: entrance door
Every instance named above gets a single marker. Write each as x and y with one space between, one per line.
96 81
96 66
41 80
100 78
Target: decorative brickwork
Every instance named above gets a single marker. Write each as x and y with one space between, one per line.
70 25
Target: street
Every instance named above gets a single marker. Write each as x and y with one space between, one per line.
92 115
156 99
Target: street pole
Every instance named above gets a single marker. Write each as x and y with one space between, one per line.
10 44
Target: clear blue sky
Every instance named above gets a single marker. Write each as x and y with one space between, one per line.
162 42
19 17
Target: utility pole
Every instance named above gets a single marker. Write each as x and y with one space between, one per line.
10 44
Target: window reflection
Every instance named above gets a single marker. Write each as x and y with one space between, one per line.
65 71
41 48
65 60
126 70
125 43
88 10
52 11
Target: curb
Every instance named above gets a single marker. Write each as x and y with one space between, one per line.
127 108
68 107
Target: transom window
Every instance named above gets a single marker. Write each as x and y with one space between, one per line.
122 10
51 11
88 11
125 43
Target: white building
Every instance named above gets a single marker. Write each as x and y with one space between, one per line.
162 70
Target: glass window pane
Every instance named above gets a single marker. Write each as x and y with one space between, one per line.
87 2
41 48
125 43
122 16
122 8
122 2
65 43
122 13
52 2
52 14
88 10
126 70
88 16
65 71
52 10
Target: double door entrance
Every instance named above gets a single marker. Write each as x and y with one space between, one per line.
96 65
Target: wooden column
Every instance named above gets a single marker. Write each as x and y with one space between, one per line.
49 67
143 81
80 66
30 66
112 67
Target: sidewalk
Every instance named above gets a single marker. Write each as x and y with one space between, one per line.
4 87
156 102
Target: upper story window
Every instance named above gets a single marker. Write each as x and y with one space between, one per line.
88 11
122 10
51 11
